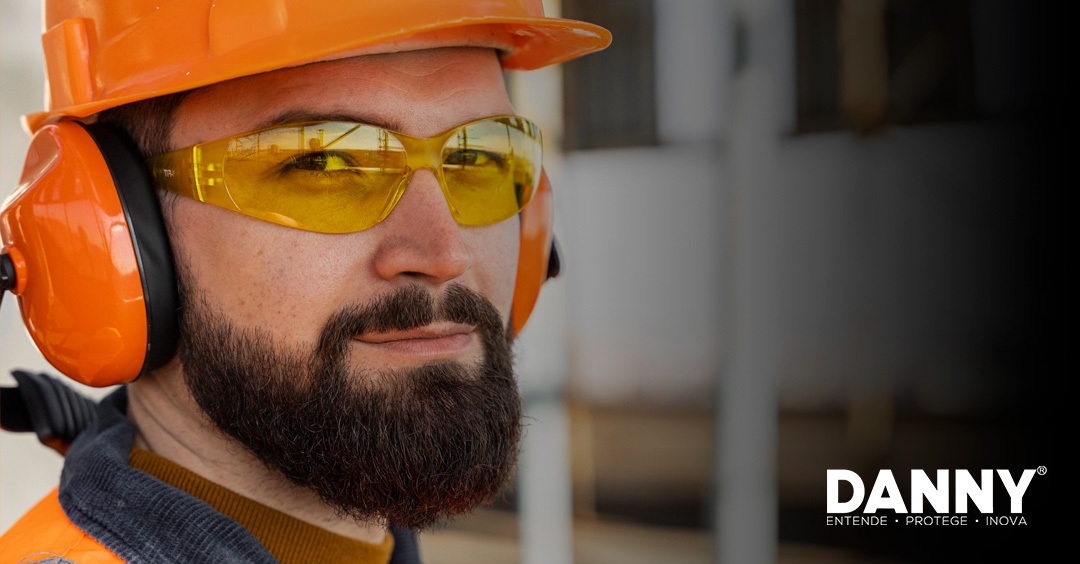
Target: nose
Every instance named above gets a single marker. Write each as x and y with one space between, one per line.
421 240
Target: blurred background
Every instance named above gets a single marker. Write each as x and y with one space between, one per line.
796 235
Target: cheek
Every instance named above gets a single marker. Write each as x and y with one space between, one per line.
496 265
257 274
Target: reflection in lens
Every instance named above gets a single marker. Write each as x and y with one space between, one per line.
327 177
491 169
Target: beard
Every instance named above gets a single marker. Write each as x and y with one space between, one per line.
411 447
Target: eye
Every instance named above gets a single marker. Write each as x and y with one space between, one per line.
472 157
322 161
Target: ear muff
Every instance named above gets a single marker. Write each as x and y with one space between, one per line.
93 270
538 258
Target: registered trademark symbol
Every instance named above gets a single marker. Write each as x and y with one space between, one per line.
1041 470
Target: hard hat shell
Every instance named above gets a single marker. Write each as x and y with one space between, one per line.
104 53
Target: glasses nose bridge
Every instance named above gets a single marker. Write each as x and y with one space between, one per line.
424 152
421 153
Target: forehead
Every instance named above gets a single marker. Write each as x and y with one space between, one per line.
415 92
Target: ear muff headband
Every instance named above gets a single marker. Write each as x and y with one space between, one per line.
92 262
93 269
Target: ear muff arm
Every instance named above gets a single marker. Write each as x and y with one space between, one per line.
55 412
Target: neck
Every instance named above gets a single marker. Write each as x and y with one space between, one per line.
169 423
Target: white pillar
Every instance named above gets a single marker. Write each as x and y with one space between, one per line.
762 114
544 486
544 489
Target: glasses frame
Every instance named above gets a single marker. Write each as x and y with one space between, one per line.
198 171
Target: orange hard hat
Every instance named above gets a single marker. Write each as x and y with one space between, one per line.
104 53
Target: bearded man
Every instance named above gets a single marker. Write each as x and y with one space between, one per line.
345 189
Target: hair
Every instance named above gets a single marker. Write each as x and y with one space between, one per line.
148 122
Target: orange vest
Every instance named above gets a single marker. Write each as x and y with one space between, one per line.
46 532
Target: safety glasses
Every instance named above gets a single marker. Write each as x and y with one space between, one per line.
342 177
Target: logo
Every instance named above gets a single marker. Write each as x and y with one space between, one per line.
955 497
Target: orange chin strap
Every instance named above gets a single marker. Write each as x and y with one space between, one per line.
91 265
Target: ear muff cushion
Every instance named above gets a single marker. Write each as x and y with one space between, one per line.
149 238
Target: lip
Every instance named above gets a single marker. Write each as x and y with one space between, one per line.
431 341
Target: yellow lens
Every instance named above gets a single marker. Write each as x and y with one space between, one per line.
328 177
491 169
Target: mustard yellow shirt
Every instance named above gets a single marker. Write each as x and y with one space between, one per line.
288 539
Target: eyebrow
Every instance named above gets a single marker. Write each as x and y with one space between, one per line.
301 115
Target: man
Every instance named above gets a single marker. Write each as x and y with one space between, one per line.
341 188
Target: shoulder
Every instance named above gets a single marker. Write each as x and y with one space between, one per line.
45 533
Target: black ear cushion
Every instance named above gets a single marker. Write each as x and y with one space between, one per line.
554 260
148 237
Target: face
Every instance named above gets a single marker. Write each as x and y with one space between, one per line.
290 281
373 367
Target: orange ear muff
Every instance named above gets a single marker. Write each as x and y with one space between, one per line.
93 270
538 258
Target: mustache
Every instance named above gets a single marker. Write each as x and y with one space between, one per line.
406 308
